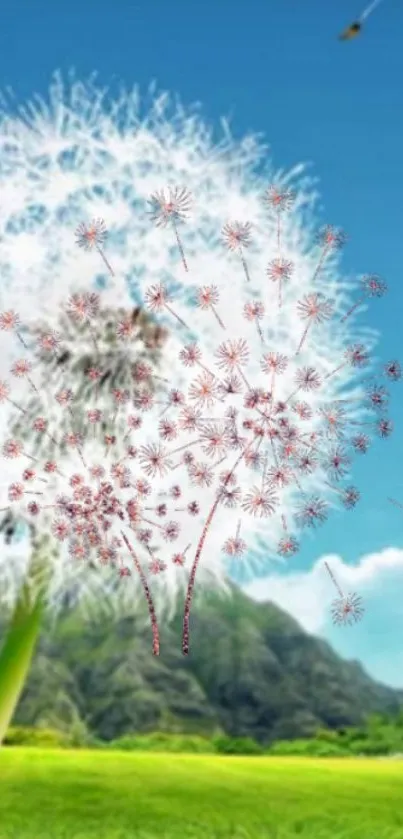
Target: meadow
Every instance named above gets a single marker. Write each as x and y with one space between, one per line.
99 795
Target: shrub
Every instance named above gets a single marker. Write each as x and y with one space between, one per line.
40 737
163 742
306 748
236 746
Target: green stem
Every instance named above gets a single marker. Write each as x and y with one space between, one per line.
21 638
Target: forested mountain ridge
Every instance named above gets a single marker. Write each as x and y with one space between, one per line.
252 671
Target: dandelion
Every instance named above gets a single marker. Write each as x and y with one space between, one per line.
252 410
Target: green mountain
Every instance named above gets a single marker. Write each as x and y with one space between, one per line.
252 671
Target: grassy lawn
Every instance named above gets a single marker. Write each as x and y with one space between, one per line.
98 795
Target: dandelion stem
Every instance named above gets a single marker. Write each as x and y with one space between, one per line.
336 370
179 319
352 309
180 246
15 405
244 264
20 338
193 572
303 339
102 255
147 593
333 579
217 317
320 263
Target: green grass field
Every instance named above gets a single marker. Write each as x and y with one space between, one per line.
100 795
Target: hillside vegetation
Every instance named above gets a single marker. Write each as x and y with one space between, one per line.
252 672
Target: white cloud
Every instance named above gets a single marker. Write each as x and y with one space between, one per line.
377 577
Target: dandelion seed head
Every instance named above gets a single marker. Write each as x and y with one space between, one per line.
347 610
250 406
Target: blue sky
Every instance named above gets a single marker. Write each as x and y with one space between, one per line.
276 67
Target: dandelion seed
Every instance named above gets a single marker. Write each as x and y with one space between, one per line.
260 502
179 559
255 312
190 355
337 463
288 546
4 397
384 428
232 354
12 449
313 512
9 322
279 201
356 355
360 443
314 308
157 298
15 492
49 342
378 397
173 210
372 286
237 236
93 237
153 460
204 391
207 298
307 379
351 496
235 546
347 610
330 239
279 270
393 371
21 369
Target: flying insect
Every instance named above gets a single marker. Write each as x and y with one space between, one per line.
355 28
